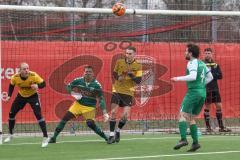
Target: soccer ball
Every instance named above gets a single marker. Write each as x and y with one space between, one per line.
118 9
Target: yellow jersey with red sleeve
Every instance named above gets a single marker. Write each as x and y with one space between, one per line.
122 68
25 89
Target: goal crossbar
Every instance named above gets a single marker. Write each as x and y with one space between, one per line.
128 11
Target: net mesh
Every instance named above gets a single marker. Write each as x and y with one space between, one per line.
58 45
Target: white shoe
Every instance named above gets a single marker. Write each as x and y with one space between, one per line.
8 139
45 141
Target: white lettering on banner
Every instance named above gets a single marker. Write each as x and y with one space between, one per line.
8 72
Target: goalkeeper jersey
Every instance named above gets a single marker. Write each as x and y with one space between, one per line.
25 89
89 91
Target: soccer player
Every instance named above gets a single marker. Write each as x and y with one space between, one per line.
127 73
213 95
29 82
197 75
86 90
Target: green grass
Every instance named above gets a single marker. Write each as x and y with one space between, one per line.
148 146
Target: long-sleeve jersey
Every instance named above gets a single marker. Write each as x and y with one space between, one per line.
88 92
25 89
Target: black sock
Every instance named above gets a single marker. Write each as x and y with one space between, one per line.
11 123
59 128
91 124
121 123
43 127
219 118
207 118
112 124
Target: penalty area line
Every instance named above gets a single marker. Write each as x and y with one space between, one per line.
168 155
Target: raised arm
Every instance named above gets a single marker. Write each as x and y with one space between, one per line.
192 76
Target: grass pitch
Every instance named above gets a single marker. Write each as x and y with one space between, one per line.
148 146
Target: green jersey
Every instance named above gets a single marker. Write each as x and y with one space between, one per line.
201 69
196 94
88 92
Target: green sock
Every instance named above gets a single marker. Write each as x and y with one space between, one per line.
59 128
98 131
183 129
194 133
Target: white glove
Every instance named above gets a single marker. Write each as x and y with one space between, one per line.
77 96
106 117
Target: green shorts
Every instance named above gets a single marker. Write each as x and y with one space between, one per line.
193 101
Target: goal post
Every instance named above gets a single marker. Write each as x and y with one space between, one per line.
128 11
1 123
57 42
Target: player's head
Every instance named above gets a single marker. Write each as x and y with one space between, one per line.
192 51
130 53
208 54
24 69
88 73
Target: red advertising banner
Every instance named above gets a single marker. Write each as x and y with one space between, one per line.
156 98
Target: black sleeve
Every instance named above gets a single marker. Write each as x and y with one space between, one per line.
217 73
137 79
115 75
42 85
10 89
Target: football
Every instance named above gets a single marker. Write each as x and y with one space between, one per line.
118 9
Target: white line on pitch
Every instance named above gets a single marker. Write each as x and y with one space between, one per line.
123 139
168 155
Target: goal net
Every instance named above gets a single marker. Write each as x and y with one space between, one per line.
57 44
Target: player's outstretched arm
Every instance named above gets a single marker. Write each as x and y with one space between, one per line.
191 77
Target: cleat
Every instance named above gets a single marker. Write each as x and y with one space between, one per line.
180 144
8 139
209 129
111 140
194 147
117 137
52 140
224 130
45 141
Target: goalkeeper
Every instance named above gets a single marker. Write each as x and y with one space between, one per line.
86 90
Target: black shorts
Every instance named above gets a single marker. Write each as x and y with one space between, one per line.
20 102
213 97
122 99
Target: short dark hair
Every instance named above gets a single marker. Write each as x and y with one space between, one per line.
194 49
208 50
88 66
132 48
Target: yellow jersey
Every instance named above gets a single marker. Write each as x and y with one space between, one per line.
25 89
127 85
